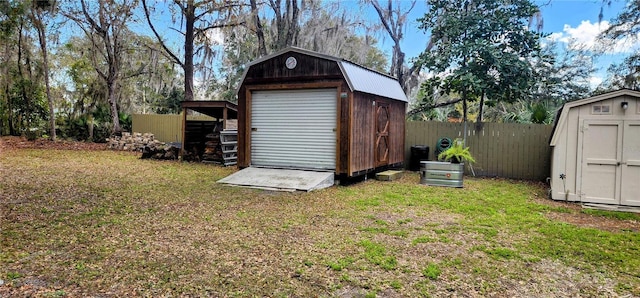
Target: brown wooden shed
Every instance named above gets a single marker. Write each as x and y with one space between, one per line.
300 109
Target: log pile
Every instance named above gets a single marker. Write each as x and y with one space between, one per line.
133 142
212 149
168 151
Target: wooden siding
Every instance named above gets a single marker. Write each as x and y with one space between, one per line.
362 134
344 131
397 132
518 151
166 128
308 68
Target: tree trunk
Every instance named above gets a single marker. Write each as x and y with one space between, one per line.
262 48
190 19
113 103
479 120
292 32
40 27
23 91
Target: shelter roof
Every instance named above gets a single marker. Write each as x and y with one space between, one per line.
359 78
561 117
212 108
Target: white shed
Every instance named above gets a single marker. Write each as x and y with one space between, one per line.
595 149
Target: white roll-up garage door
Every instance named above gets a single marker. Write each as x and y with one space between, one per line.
294 128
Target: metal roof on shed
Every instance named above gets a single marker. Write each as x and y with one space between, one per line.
365 80
358 78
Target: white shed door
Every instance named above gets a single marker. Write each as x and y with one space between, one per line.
601 144
630 166
294 128
611 162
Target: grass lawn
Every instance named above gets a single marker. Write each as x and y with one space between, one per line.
103 223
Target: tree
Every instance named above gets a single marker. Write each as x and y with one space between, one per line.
562 77
105 26
327 29
626 26
41 12
208 15
393 21
11 12
481 49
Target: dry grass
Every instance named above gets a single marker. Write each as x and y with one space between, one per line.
101 223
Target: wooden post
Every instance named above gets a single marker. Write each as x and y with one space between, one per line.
224 117
184 127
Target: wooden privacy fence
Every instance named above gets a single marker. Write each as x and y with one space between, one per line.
166 128
508 150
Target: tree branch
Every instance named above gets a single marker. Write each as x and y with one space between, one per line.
155 32
217 26
422 108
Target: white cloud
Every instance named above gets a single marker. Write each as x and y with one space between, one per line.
586 34
595 81
215 36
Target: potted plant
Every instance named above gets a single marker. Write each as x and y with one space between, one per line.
457 153
449 171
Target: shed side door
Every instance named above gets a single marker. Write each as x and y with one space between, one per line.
383 118
601 150
294 128
630 166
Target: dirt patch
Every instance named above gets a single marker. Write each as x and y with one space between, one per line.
595 222
8 143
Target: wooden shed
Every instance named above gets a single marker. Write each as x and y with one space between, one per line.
299 109
596 150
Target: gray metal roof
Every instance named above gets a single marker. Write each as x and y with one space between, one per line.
358 78
368 81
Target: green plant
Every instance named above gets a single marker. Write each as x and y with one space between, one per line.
432 271
377 254
457 153
340 263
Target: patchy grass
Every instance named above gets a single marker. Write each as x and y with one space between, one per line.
101 223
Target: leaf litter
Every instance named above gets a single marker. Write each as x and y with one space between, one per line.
84 222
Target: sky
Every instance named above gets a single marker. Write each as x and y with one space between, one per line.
562 19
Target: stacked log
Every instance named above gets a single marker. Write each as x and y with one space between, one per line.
212 149
133 142
168 151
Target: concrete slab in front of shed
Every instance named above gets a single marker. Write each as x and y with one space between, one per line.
280 179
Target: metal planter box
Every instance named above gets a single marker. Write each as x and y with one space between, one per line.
438 173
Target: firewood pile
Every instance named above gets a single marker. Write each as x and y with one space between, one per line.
167 151
133 142
221 147
212 149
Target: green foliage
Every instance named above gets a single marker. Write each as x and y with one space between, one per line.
377 254
539 114
626 25
457 153
29 105
432 271
126 121
613 214
340 264
169 101
81 127
481 48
